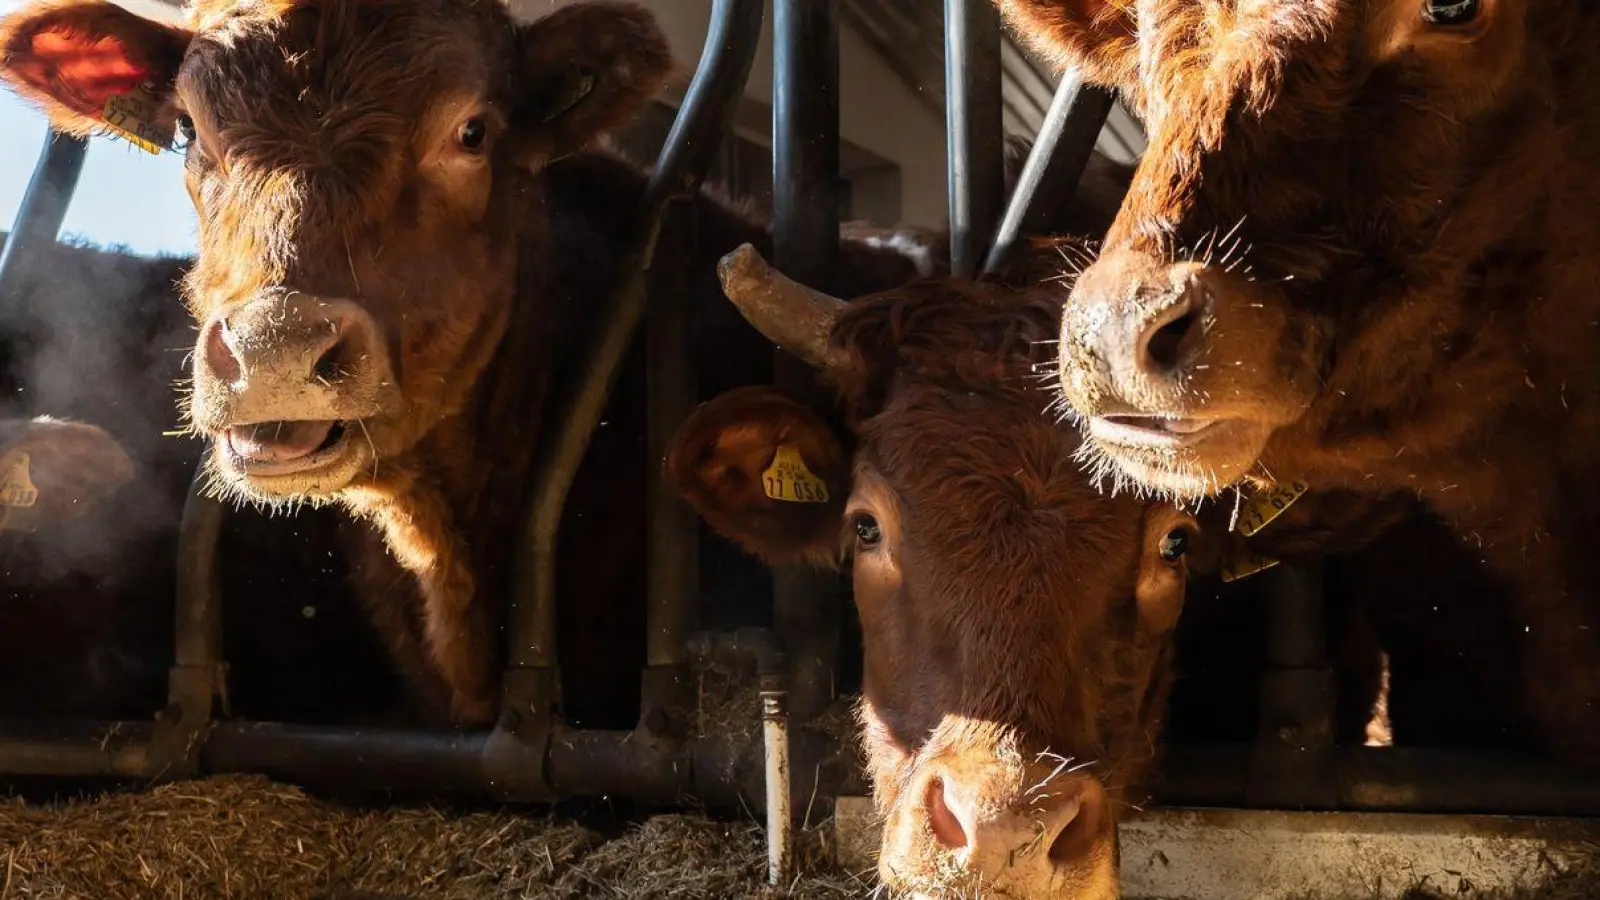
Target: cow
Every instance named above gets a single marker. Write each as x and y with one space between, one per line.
97 337
403 230
1359 252
1018 625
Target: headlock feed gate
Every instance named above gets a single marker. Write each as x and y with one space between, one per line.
531 754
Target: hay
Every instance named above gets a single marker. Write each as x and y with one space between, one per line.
246 838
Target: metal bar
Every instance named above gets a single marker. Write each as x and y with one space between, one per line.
974 129
775 743
725 772
706 112
1294 765
35 228
1054 167
805 243
531 686
198 680
667 696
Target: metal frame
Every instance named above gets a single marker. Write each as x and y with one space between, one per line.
531 754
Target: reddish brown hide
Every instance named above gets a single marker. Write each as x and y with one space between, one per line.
1014 622
400 233
1360 251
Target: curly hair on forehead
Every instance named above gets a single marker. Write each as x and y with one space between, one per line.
975 336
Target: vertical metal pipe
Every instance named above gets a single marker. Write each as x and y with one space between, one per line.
1055 164
35 228
198 680
805 201
974 129
1293 764
673 540
775 741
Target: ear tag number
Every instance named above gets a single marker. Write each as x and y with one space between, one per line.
788 479
1266 505
134 116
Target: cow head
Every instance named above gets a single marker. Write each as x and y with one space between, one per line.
363 173
1015 622
1321 179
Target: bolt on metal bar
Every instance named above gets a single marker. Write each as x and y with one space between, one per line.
974 129
805 240
1054 167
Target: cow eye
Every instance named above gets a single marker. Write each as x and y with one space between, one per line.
186 127
1449 12
868 534
1175 544
472 135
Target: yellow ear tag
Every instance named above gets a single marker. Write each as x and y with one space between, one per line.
789 480
135 115
17 490
1266 505
1242 563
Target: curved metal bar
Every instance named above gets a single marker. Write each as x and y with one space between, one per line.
1055 164
702 120
38 222
516 753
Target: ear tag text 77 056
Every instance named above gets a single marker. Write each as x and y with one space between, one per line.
136 116
788 479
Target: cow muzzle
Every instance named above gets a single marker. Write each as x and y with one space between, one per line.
1180 373
288 386
1004 831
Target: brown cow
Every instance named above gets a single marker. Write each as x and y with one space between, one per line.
974 539
1360 252
399 236
1018 624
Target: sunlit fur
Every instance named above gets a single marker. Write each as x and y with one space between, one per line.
1016 622
1418 202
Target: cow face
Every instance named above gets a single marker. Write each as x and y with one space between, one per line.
363 174
1318 172
1015 621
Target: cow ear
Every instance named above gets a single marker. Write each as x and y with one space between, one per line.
73 57
766 472
53 471
585 69
1095 36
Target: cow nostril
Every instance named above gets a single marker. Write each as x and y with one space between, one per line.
946 826
1076 837
333 364
219 357
1167 347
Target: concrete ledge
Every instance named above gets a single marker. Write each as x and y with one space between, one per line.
1220 854
1228 854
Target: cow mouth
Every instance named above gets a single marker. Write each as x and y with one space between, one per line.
285 447
1153 431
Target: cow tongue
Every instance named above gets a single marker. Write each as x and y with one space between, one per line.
278 441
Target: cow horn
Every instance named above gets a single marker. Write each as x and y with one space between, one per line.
797 318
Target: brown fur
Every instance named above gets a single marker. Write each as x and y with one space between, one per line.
326 166
1005 591
1406 300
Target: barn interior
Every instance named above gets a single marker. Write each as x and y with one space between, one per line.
704 745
